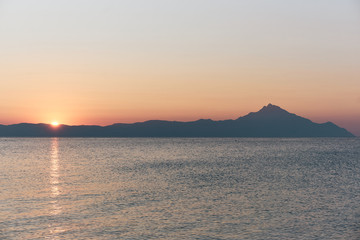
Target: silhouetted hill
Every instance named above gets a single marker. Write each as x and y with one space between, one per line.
270 121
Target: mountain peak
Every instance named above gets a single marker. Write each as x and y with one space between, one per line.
272 108
269 112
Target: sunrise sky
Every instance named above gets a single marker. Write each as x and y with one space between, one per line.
101 62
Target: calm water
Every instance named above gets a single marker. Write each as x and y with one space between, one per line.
179 188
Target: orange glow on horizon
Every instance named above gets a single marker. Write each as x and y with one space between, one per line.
176 72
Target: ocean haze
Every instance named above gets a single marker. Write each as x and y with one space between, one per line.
270 121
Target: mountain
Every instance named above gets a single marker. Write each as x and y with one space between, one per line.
270 121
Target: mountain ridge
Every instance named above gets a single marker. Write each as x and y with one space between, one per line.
269 121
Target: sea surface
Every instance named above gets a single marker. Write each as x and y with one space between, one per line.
174 188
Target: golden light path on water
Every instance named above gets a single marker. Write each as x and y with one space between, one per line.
56 208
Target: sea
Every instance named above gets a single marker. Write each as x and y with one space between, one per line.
179 188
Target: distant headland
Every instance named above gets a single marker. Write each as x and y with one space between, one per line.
270 121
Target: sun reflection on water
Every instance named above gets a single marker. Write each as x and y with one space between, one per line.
56 208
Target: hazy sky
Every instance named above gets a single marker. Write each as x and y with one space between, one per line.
100 62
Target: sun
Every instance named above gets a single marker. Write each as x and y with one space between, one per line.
54 124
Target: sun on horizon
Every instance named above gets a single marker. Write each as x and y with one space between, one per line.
54 124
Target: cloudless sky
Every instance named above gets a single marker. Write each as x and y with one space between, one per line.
101 62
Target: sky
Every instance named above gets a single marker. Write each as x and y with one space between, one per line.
104 62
